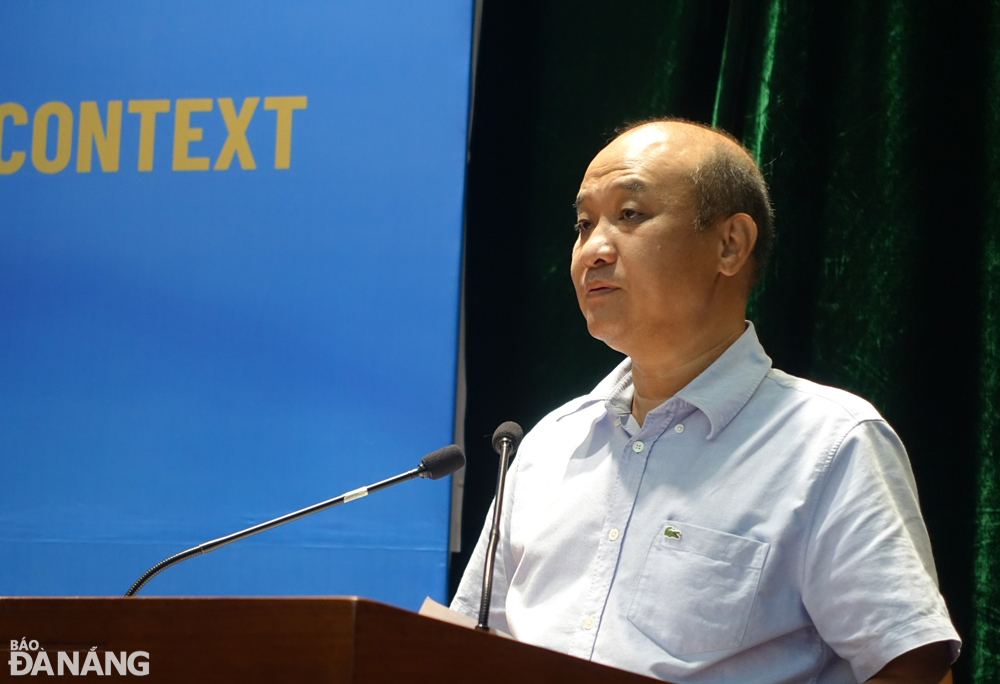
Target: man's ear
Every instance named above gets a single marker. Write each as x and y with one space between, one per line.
737 236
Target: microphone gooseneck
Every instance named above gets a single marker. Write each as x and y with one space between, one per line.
506 439
434 465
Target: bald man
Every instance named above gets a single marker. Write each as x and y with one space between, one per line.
701 516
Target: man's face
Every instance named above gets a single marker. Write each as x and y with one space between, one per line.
644 276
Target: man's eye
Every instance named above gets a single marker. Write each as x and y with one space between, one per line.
629 214
581 226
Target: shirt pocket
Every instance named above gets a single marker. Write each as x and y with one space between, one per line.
696 588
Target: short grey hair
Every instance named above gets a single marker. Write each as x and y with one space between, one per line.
726 182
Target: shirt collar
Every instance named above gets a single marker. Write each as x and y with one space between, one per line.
616 389
724 388
720 391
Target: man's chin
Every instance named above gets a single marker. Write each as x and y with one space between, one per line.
608 333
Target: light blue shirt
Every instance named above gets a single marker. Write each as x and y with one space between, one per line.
757 528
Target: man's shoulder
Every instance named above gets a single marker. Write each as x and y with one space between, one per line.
594 400
576 406
566 424
812 396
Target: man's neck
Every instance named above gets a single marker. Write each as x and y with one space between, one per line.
657 378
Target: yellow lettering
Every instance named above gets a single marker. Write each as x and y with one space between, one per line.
20 117
184 134
92 132
283 132
40 135
104 133
236 129
147 111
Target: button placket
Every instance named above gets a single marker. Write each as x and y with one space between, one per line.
619 504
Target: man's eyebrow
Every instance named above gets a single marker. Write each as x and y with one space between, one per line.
632 185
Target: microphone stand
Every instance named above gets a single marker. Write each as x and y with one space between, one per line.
505 446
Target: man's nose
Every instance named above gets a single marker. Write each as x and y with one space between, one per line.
597 247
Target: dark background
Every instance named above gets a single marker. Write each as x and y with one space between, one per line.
876 125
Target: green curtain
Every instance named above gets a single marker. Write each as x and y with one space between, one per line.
985 649
877 125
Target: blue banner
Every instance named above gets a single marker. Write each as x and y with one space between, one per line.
230 243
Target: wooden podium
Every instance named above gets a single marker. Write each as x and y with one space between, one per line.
299 641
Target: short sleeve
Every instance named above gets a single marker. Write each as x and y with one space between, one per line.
869 581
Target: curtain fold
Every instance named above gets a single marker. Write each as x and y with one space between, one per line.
878 126
986 656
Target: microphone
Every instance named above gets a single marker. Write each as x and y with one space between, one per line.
506 439
434 465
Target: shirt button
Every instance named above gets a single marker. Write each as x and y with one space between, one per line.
613 535
618 422
679 428
589 623
638 446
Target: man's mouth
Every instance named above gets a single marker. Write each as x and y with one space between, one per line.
598 288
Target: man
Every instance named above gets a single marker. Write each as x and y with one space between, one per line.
701 516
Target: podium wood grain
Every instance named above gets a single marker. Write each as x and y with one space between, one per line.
294 640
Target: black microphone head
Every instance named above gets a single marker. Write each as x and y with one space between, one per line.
443 462
509 430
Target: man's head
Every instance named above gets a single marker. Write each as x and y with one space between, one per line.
674 227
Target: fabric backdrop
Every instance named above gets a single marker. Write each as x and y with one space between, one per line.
877 125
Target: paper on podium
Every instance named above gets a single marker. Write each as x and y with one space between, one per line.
432 609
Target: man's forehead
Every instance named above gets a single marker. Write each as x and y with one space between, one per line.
656 138
648 158
675 138
625 183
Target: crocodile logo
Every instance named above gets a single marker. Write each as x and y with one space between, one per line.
672 532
